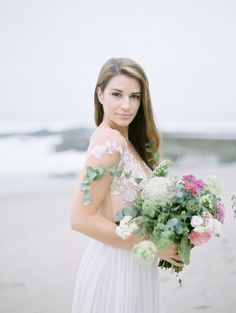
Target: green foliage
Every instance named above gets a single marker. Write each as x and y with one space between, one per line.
184 249
94 174
128 210
91 174
149 208
114 172
128 174
138 180
119 216
175 225
161 169
150 149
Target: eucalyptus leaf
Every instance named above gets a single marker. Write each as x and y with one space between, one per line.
131 211
171 223
119 216
100 171
128 174
114 172
175 208
138 180
148 147
179 229
86 180
156 156
91 173
179 194
184 249
87 198
85 187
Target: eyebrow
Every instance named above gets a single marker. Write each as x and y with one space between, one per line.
137 92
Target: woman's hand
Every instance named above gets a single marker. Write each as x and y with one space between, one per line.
170 254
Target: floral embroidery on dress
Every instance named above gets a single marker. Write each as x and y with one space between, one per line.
107 148
127 186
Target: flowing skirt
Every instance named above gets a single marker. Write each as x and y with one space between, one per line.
109 280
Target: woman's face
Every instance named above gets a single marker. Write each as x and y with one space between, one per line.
120 100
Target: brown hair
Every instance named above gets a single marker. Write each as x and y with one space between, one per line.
142 129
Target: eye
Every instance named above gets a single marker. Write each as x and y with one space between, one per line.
116 94
136 96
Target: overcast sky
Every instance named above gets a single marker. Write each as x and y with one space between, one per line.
51 53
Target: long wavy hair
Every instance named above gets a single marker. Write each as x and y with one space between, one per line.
142 130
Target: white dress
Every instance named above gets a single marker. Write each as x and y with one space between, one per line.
109 279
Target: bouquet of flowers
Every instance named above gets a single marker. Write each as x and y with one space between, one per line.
183 210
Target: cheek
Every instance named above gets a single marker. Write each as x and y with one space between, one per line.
137 106
109 107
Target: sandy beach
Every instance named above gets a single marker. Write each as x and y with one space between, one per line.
40 254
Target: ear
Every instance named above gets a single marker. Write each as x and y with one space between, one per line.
100 95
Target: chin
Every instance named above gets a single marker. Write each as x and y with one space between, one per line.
123 123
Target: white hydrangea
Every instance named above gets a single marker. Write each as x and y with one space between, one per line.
157 189
126 228
207 201
145 252
214 185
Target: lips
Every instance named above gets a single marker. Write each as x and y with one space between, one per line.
124 115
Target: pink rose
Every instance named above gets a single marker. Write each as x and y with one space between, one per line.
198 239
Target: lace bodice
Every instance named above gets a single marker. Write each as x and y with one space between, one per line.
133 172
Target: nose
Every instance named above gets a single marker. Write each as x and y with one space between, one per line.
125 103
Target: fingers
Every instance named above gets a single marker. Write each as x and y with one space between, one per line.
176 258
170 254
175 262
173 249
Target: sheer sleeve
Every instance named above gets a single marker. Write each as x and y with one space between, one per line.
105 142
103 161
112 177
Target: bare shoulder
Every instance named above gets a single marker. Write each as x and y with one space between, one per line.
102 134
106 140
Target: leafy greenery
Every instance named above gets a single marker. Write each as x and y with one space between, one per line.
128 210
150 149
91 174
184 249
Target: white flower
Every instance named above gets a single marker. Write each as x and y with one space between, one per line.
206 225
208 222
126 228
207 201
145 251
214 185
157 189
162 168
199 229
125 219
196 221
217 227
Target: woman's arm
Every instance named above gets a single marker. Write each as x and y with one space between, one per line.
85 218
99 228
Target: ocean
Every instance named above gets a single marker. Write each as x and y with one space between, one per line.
29 158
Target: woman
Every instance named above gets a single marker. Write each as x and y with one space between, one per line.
109 279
